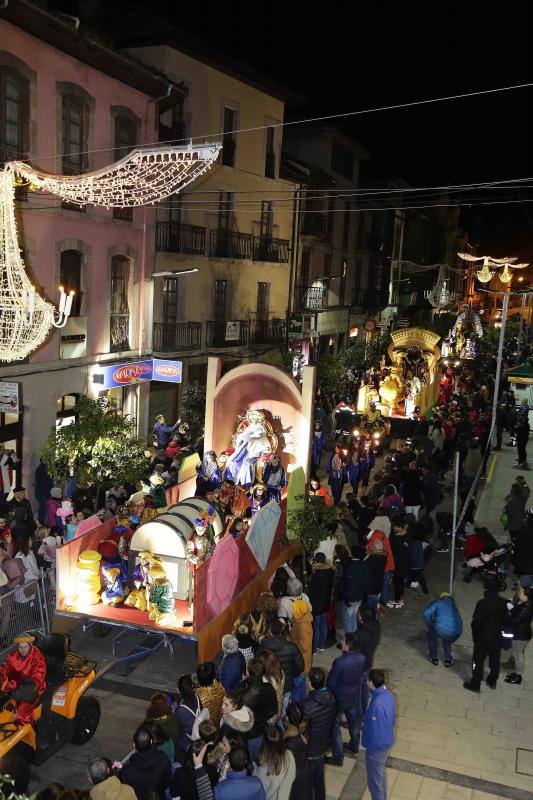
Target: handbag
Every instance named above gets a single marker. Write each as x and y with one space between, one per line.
299 689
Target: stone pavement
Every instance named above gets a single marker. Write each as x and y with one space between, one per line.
450 743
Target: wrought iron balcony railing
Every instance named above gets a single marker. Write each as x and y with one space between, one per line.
232 244
312 297
120 333
176 237
173 337
315 225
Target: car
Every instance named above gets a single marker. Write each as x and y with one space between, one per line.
65 713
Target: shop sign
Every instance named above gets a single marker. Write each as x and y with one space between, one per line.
167 371
296 326
139 371
10 398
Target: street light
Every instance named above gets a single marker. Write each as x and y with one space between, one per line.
173 273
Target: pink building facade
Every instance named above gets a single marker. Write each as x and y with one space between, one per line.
68 106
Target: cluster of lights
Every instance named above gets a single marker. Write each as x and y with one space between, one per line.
490 264
142 177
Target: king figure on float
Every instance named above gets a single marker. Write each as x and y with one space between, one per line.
253 438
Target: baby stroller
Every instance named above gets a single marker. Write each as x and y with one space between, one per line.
489 567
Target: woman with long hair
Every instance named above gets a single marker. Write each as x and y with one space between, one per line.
275 766
188 708
274 674
297 743
243 630
267 607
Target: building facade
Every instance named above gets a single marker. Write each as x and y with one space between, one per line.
70 105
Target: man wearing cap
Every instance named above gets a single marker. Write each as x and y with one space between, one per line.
23 676
19 500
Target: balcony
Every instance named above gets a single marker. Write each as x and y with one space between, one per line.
314 298
119 333
274 250
175 237
231 244
173 337
315 225
245 332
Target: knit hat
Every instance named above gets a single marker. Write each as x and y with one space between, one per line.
56 492
230 644
377 546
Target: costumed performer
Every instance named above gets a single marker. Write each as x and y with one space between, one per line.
336 470
208 474
115 590
274 477
141 576
200 546
258 498
250 444
161 597
23 677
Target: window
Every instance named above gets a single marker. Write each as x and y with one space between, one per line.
327 265
346 226
266 219
171 128
125 140
270 157
342 160
225 207
304 268
221 289
14 114
228 140
70 277
120 313
170 300
263 300
330 219
74 135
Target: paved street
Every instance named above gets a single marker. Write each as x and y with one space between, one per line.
449 743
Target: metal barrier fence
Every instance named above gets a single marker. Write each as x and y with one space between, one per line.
26 608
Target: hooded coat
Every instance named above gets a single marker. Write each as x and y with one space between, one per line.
302 636
379 535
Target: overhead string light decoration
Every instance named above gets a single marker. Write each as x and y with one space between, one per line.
142 177
486 273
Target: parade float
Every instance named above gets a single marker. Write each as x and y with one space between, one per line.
411 381
185 570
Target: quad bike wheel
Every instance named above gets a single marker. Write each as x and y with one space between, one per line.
86 720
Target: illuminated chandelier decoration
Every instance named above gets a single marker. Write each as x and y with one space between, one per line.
142 177
486 273
440 296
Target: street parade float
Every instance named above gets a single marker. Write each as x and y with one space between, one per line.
190 567
410 382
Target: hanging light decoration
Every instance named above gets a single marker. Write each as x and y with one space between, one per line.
506 276
142 177
485 274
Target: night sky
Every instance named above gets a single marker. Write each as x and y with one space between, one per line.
349 56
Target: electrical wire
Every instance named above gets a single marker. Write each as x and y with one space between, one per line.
343 115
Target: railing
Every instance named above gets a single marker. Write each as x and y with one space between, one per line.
120 332
175 237
245 332
268 249
171 337
315 225
27 608
232 244
312 297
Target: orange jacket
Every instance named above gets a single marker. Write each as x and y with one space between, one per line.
389 566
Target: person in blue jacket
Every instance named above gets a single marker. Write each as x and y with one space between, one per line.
378 733
443 621
344 680
233 666
162 431
238 784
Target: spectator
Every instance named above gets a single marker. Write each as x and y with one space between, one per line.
242 629
228 740
519 625
295 600
344 680
239 785
106 786
298 745
53 503
163 432
355 582
316 489
376 561
368 632
522 436
274 675
377 535
514 509
210 691
233 664
236 717
378 734
490 615
267 608
400 554
320 711
523 553
148 770
391 502
159 711
188 708
289 656
275 765
381 522
260 697
416 534
443 621
411 489
320 591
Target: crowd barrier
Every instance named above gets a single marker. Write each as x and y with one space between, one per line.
26 608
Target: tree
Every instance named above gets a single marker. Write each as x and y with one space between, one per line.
99 447
193 409
311 523
7 783
329 373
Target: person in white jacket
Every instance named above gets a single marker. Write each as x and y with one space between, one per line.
26 593
275 766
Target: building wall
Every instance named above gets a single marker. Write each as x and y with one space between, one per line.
45 229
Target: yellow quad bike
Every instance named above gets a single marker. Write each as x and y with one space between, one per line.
65 712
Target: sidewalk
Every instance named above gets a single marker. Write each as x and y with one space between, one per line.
451 743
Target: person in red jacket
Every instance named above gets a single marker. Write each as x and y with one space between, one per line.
374 536
316 489
23 675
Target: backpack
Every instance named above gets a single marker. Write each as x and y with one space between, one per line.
299 608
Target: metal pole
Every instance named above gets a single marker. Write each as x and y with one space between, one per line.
499 364
455 507
521 328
